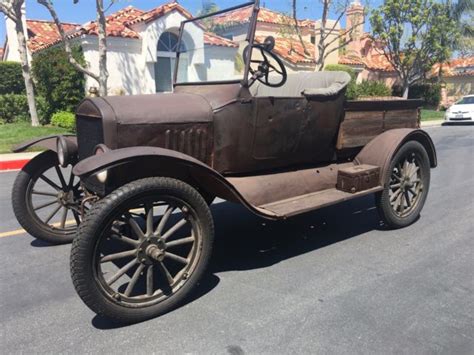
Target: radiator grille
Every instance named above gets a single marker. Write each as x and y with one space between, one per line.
89 134
191 141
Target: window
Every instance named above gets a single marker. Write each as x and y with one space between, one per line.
166 57
313 39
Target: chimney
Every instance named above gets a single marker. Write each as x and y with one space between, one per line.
354 19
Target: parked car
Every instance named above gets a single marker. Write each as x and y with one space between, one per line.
150 165
462 111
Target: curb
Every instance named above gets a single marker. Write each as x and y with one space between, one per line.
436 123
15 161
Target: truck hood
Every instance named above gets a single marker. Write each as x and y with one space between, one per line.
149 109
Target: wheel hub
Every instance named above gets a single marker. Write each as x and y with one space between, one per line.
151 250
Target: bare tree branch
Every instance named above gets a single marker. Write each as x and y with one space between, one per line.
67 45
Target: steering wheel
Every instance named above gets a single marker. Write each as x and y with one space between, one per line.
265 67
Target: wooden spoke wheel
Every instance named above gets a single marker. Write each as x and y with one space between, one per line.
142 249
407 186
46 199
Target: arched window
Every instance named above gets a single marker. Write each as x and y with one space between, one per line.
166 57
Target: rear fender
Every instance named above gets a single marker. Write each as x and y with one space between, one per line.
48 142
380 150
128 164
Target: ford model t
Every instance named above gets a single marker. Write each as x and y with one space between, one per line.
146 168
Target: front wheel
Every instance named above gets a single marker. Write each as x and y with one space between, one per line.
46 199
142 249
406 186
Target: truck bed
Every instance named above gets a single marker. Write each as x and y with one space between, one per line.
363 120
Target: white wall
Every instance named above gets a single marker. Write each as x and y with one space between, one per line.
220 63
124 64
11 49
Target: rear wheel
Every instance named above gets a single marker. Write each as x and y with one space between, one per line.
46 199
142 249
406 188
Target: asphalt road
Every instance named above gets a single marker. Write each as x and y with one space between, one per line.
330 281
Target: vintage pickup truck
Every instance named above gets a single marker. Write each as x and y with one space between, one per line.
146 168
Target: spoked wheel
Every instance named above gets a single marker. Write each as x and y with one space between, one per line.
142 249
46 199
407 186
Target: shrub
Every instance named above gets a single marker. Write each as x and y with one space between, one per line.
373 88
64 119
57 80
430 92
11 78
351 91
14 108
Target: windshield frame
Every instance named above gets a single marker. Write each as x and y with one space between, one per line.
250 39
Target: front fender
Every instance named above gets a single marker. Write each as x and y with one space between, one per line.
48 142
380 150
140 162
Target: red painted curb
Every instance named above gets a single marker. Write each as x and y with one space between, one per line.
13 164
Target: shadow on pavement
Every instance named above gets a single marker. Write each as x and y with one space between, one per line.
245 242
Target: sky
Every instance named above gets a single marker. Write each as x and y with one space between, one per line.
84 11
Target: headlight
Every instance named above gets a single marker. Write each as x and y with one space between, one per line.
67 151
101 149
102 176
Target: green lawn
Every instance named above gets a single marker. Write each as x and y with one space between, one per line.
14 133
431 115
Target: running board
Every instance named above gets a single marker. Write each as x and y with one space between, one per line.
305 203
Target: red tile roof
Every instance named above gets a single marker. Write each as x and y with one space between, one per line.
265 15
463 66
350 61
1 53
160 11
41 32
214 40
117 24
291 49
376 62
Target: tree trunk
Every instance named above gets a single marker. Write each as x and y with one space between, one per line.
103 73
25 66
406 88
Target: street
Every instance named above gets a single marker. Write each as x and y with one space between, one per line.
329 281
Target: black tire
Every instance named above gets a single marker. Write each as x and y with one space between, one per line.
29 216
103 230
404 183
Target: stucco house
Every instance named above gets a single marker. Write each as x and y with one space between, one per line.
457 77
141 47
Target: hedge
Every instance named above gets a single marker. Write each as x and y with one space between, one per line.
430 92
373 88
351 91
65 120
57 80
14 108
11 78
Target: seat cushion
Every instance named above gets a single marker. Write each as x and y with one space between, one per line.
325 83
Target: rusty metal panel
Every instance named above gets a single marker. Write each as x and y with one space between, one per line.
194 139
